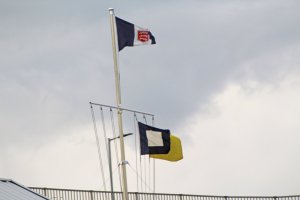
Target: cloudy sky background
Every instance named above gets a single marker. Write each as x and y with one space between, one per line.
224 77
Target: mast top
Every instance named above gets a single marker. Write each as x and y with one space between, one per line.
111 10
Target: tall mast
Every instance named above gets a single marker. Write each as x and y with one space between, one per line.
118 98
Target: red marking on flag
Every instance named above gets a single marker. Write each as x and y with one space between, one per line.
143 36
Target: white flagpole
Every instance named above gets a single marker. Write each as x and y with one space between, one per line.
118 97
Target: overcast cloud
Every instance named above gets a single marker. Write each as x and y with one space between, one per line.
224 76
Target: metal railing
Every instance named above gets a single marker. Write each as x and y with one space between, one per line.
68 194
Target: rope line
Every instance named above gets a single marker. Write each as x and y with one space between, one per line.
104 130
136 144
143 168
145 159
98 146
149 188
154 178
140 166
145 119
149 171
115 143
107 179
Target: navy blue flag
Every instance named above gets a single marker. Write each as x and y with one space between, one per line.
154 140
132 35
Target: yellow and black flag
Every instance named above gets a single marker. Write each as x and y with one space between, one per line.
159 143
175 152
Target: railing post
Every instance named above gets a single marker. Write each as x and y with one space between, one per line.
45 192
136 196
91 194
180 196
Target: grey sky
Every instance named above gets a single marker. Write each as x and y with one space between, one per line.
56 57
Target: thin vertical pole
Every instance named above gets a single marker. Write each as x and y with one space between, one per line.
153 162
110 171
118 98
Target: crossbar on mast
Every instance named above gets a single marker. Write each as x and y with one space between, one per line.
125 109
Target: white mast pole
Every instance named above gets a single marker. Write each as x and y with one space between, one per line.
118 97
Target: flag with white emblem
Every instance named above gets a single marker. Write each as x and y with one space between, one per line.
132 35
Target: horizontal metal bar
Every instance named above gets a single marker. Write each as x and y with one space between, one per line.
126 109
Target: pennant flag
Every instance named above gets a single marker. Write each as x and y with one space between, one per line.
154 140
175 153
132 35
